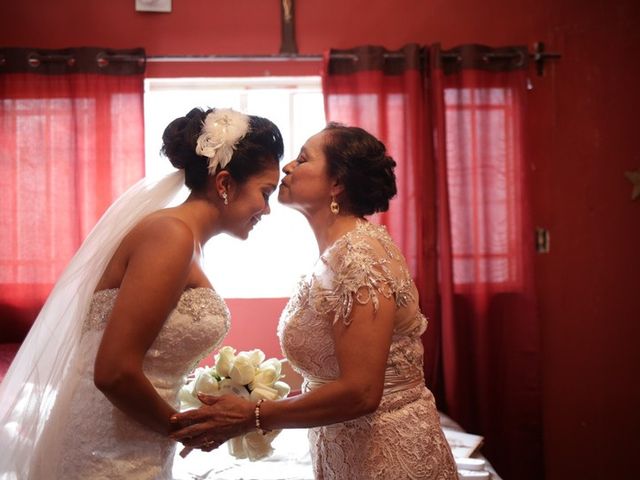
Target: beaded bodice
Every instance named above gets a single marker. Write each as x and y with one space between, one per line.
198 323
94 439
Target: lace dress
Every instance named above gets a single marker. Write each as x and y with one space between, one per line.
402 439
100 442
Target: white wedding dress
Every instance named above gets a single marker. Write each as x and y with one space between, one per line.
91 438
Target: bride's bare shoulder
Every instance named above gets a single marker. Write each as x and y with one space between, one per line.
156 237
161 226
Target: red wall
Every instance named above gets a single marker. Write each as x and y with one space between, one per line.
586 137
583 137
254 323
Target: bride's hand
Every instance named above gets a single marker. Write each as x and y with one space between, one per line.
218 420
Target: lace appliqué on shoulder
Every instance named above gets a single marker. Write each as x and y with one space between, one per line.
352 270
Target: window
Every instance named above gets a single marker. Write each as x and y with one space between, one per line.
483 161
281 248
55 182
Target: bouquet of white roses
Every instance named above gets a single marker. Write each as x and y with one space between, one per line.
248 375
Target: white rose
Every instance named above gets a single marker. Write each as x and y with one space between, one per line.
229 387
282 388
224 360
265 376
257 356
272 363
207 145
243 370
186 399
205 383
264 391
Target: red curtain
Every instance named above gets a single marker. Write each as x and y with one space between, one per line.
383 92
454 122
71 140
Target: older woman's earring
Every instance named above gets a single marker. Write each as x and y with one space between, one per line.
335 207
225 198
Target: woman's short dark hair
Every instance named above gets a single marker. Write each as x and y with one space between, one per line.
359 161
259 149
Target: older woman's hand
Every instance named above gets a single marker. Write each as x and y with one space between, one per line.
220 419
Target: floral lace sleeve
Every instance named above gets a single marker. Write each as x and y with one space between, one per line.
355 269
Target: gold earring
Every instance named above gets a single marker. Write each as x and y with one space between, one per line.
225 198
334 206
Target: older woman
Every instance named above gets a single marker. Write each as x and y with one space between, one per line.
352 330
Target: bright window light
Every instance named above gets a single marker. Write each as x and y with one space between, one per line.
281 248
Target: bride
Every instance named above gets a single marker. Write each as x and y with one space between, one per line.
92 390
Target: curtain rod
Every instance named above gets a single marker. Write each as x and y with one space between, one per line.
104 58
233 58
292 58
539 56
536 56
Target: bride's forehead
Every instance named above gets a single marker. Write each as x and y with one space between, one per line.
268 176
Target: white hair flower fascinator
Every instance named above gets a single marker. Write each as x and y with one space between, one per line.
222 129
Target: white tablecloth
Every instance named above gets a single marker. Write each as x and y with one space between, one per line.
290 461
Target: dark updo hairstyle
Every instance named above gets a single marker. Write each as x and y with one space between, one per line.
359 161
258 150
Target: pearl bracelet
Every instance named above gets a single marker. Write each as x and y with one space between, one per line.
257 414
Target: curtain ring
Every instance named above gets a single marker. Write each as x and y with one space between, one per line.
34 60
101 60
520 61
